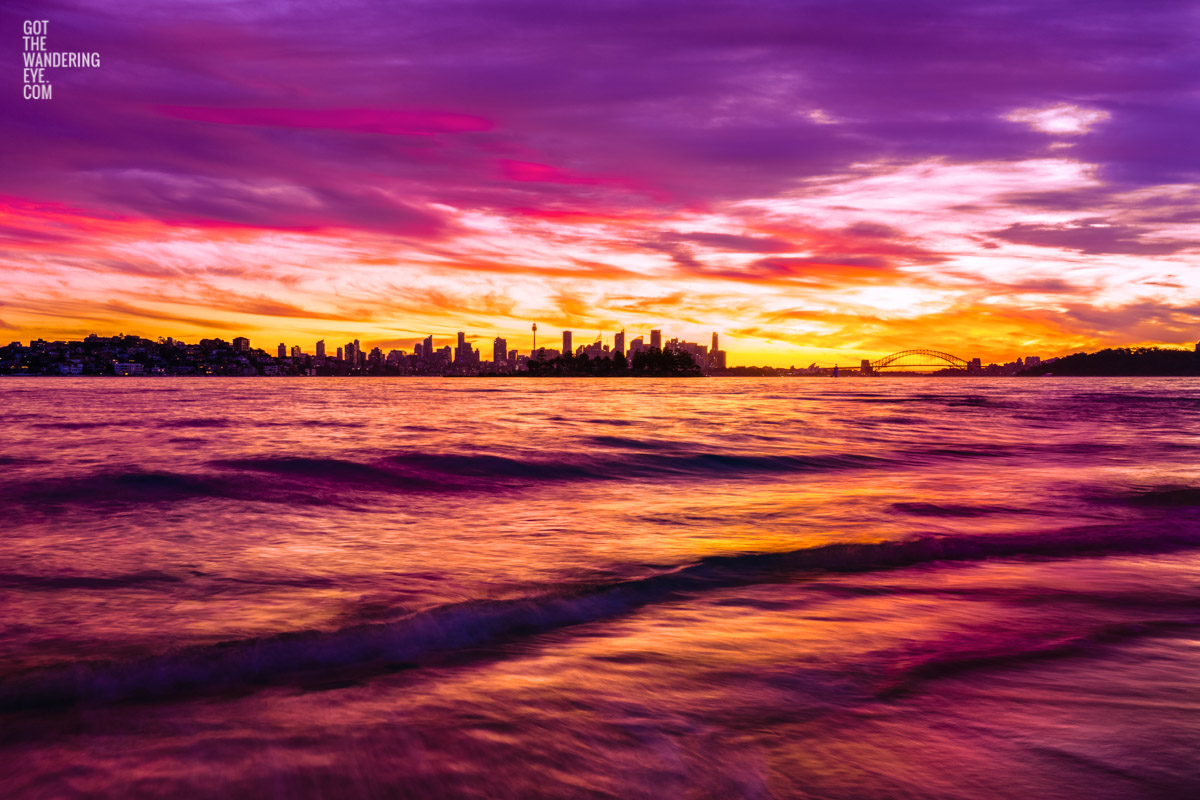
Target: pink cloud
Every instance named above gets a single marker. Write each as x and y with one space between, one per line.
544 173
532 172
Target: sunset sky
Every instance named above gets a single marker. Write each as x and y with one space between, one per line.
817 181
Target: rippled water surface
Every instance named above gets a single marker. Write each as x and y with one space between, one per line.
908 588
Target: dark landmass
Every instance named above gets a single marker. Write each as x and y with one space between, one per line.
1123 362
135 356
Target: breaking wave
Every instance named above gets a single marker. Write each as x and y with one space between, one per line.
301 478
445 631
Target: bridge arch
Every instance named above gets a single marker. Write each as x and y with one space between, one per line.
933 358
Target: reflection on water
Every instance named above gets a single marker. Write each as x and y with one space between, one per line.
698 588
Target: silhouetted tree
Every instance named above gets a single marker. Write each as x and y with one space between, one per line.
664 362
1123 361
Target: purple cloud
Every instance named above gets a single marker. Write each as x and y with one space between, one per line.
600 142
705 101
1093 237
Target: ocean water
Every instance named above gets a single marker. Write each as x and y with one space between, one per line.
725 588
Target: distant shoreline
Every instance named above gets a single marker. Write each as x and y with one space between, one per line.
525 376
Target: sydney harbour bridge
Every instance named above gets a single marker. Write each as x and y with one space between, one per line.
915 359
919 358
